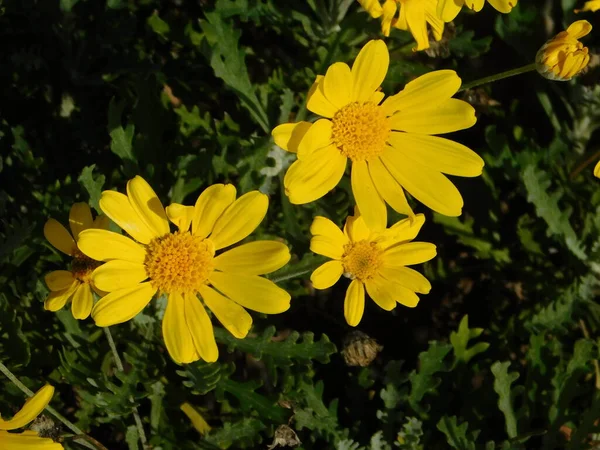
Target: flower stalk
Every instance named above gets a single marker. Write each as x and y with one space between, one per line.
498 76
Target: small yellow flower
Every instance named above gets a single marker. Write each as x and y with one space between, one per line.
592 5
374 260
76 282
413 16
28 439
449 9
196 418
563 56
184 264
389 143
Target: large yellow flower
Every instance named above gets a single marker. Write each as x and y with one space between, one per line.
563 56
373 260
413 16
390 143
183 264
28 440
449 9
76 282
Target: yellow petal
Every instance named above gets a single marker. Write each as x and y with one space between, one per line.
356 229
27 440
428 186
147 205
210 205
579 29
59 237
118 207
119 274
322 245
369 202
407 277
317 102
57 300
32 408
180 215
310 179
80 218
328 239
409 254
254 258
176 333
252 292
102 222
381 292
405 296
369 69
475 5
240 219
318 136
201 328
326 275
337 84
597 170
447 10
415 17
389 11
438 154
404 230
231 315
288 135
372 7
196 418
389 189
503 6
59 280
103 245
451 115
591 5
354 303
122 305
424 92
83 300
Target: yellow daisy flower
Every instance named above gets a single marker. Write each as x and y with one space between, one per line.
449 9
389 143
373 260
563 56
28 439
184 264
75 283
413 16
592 5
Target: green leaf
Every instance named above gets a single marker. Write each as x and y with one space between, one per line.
463 44
228 62
132 437
538 182
460 341
502 386
158 25
122 139
244 434
250 401
456 435
431 362
93 185
281 352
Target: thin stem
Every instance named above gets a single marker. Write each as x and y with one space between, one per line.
584 164
291 275
120 368
498 76
70 425
586 334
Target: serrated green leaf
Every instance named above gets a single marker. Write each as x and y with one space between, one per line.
158 25
93 185
244 434
460 340
502 385
456 435
122 139
423 381
250 401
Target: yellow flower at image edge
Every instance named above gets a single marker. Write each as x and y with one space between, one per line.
413 16
27 439
449 9
563 56
184 265
375 261
592 6
76 283
389 143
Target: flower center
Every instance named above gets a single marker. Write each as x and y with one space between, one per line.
82 266
179 262
361 260
360 131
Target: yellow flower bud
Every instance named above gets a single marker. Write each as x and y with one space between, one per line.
563 56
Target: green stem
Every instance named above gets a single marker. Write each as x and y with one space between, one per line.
120 368
70 425
498 76
289 276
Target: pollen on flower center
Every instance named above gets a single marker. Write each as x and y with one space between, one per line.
360 131
179 262
361 260
82 266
